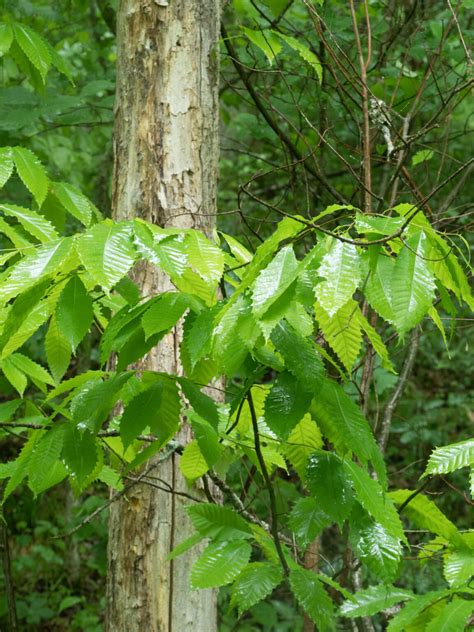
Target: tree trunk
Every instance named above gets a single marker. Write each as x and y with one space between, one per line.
166 160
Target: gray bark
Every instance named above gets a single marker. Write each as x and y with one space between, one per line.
166 158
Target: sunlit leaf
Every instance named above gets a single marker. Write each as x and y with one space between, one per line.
220 564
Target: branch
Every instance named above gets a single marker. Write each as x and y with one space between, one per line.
269 486
402 380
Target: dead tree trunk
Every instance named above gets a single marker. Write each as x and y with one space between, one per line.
166 160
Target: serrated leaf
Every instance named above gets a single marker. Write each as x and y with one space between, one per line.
35 224
75 203
374 500
92 404
342 332
220 564
450 458
218 523
31 172
304 439
255 582
342 422
34 47
376 342
192 463
80 454
328 481
412 284
375 546
204 405
43 459
107 252
300 356
206 436
6 160
426 515
273 280
304 52
286 404
307 520
6 38
265 41
58 351
15 376
366 603
164 313
204 257
378 224
38 316
378 288
312 597
341 273
411 611
31 368
453 617
74 314
19 469
46 260
458 567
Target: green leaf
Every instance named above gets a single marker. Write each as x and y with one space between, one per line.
80 454
273 280
422 156
34 47
286 404
6 38
328 481
378 289
377 224
107 252
184 546
31 368
255 582
341 273
304 52
205 257
204 405
453 617
74 314
15 376
206 436
413 609
35 224
31 172
164 313
458 565
304 439
342 331
44 458
94 401
38 316
426 515
75 203
372 600
376 342
375 546
157 407
6 159
218 523
374 500
265 41
300 356
20 466
412 284
220 564
45 261
450 458
192 463
58 350
343 424
312 597
307 520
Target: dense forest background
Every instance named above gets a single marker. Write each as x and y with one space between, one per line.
290 144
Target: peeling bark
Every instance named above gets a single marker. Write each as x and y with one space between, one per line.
166 159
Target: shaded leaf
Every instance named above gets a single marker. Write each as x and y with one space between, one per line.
453 617
58 350
312 597
6 159
164 313
80 454
217 522
327 480
75 203
255 582
220 564
307 520
286 404
74 314
32 173
375 599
